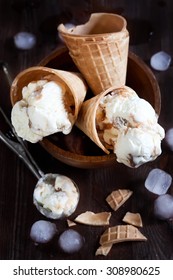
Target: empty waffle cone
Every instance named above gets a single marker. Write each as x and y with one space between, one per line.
99 49
121 233
118 198
72 83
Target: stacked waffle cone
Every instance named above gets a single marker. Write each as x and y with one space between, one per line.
99 49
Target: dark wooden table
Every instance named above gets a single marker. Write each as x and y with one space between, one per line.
150 25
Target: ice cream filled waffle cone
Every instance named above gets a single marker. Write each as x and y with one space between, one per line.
73 85
45 101
99 49
118 120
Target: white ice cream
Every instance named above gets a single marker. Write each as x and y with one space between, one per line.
41 112
56 198
129 125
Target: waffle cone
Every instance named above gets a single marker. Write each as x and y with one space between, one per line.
86 120
75 88
99 49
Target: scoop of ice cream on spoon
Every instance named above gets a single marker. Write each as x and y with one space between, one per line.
56 196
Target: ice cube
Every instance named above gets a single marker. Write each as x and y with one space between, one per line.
163 207
169 138
160 61
158 181
70 241
42 231
24 40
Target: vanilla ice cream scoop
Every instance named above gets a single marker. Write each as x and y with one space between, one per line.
56 196
41 112
129 125
137 146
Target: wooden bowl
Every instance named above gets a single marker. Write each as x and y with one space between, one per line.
76 149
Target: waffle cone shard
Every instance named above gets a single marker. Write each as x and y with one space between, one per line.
99 49
118 197
103 250
133 219
121 233
91 218
72 82
70 223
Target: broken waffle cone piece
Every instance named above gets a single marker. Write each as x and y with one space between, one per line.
133 219
74 87
103 250
70 223
121 233
118 198
99 48
95 219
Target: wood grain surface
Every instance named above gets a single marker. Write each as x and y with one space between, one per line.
150 25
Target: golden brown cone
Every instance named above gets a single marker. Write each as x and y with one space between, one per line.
73 83
121 233
99 49
86 120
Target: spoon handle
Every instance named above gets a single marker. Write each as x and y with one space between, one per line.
19 148
4 67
